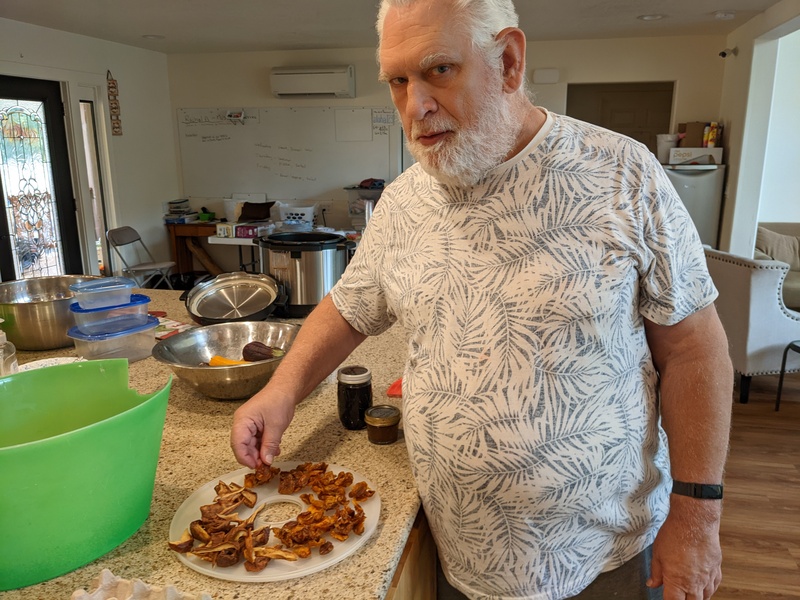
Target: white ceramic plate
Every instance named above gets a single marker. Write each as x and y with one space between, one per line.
49 362
276 570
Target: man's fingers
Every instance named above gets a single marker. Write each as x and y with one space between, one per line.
244 436
270 446
655 579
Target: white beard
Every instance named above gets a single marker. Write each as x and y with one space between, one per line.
465 158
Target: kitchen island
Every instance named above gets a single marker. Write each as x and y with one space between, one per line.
195 450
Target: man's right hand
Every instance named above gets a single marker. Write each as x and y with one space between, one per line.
323 342
258 427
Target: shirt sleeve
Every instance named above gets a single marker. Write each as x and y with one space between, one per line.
674 278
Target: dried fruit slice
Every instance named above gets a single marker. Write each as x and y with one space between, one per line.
221 361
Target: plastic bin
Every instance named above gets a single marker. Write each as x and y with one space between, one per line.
111 319
134 344
298 213
78 457
104 292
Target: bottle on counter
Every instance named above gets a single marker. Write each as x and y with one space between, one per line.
8 355
354 395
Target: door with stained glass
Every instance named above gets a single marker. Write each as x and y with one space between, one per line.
38 226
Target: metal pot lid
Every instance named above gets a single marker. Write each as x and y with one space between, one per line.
232 297
301 240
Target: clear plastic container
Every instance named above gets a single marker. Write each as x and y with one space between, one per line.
8 355
111 319
134 344
104 292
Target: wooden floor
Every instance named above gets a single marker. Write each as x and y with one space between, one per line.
761 519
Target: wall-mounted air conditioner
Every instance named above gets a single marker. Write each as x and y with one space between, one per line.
313 82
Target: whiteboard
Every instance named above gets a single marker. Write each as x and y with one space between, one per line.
287 153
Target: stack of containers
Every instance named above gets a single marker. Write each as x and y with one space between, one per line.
111 321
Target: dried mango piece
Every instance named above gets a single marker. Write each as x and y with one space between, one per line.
221 361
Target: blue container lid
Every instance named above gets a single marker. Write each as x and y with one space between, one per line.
136 299
77 334
104 284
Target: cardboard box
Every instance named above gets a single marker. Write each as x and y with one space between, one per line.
226 230
700 156
693 131
253 230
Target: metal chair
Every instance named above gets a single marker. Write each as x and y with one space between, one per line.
138 271
795 346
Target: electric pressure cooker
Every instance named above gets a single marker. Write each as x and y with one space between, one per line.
307 264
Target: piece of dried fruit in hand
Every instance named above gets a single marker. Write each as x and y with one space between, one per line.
259 351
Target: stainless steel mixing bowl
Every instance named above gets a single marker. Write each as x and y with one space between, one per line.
188 353
36 311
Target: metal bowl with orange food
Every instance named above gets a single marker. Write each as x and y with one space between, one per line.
210 358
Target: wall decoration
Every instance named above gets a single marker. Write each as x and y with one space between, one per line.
113 104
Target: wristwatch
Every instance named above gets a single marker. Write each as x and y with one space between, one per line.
704 491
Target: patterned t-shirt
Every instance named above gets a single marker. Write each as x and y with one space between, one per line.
529 396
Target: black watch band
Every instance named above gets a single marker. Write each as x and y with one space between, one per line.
704 491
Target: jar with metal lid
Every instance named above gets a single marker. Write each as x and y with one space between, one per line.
354 395
382 421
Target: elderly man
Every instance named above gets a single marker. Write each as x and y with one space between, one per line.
560 328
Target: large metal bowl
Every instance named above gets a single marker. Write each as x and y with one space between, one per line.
188 353
36 311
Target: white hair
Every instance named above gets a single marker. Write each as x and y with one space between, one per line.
481 19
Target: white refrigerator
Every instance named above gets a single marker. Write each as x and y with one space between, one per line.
701 188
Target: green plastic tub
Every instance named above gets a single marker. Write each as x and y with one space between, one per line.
78 457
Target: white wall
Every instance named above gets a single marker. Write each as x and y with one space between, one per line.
747 96
780 188
143 169
242 79
691 62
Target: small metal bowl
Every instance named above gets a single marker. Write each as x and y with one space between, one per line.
188 353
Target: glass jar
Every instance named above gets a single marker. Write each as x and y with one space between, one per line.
354 396
382 422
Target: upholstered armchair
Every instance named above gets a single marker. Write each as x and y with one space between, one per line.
756 320
781 241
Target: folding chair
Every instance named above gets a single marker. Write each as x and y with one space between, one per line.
128 236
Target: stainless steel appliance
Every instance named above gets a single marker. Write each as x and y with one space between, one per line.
307 264
700 187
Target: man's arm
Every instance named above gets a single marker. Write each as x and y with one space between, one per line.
696 382
323 342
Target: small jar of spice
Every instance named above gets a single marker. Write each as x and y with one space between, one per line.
354 395
382 421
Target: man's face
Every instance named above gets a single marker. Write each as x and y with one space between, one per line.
457 118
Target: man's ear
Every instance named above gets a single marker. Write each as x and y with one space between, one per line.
513 58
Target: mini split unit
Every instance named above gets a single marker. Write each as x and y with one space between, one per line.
313 82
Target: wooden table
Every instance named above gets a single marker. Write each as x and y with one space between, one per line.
184 241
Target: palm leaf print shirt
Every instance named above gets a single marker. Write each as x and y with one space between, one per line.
529 395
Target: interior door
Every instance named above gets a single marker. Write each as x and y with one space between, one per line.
639 110
38 228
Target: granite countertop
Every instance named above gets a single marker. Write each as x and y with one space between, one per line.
195 449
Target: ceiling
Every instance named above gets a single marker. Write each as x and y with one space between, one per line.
199 26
